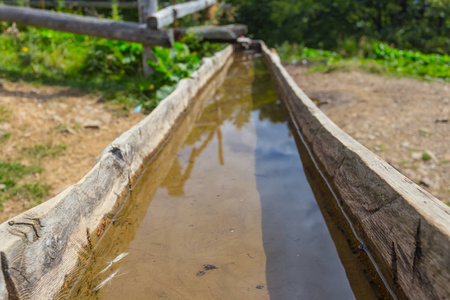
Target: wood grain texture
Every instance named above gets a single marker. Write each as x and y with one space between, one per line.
406 230
40 246
104 28
167 15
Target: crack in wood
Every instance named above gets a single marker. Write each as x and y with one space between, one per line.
417 249
10 286
20 273
394 270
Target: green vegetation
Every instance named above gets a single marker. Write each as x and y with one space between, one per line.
372 57
11 176
4 113
422 25
44 150
4 136
112 68
426 156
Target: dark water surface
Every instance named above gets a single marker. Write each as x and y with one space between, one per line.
225 211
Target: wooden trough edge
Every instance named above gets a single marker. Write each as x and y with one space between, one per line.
40 246
406 230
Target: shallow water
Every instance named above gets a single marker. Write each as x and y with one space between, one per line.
226 211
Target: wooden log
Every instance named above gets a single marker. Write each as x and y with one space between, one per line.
96 4
226 33
104 28
41 246
169 14
405 229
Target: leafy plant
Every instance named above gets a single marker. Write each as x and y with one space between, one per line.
373 57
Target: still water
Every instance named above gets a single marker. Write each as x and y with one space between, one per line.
225 211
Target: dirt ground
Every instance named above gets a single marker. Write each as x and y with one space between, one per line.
404 121
54 116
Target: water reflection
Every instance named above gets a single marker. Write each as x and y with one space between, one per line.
232 215
250 94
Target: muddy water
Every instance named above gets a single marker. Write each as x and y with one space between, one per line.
225 211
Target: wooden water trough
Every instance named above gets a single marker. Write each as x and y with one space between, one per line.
405 229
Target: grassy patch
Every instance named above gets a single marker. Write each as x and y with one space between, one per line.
5 113
94 65
11 174
373 57
44 150
4 136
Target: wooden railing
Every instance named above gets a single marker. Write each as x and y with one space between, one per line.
149 31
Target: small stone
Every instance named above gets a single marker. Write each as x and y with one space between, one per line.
104 127
78 120
416 155
34 91
69 130
442 120
376 148
371 137
2 186
92 124
56 118
5 126
106 118
405 144
426 182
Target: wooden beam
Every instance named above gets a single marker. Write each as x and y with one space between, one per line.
167 15
104 28
97 4
226 33
146 8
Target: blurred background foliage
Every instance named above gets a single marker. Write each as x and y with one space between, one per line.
422 25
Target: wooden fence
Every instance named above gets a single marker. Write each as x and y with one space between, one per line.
149 31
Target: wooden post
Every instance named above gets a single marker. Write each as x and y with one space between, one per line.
146 8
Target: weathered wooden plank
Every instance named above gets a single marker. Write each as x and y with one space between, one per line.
146 8
40 246
104 28
226 33
169 14
97 4
406 230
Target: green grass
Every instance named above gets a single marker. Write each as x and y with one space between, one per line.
95 65
12 174
44 150
5 113
372 57
4 136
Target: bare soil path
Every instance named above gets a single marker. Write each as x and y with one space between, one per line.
60 129
404 121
